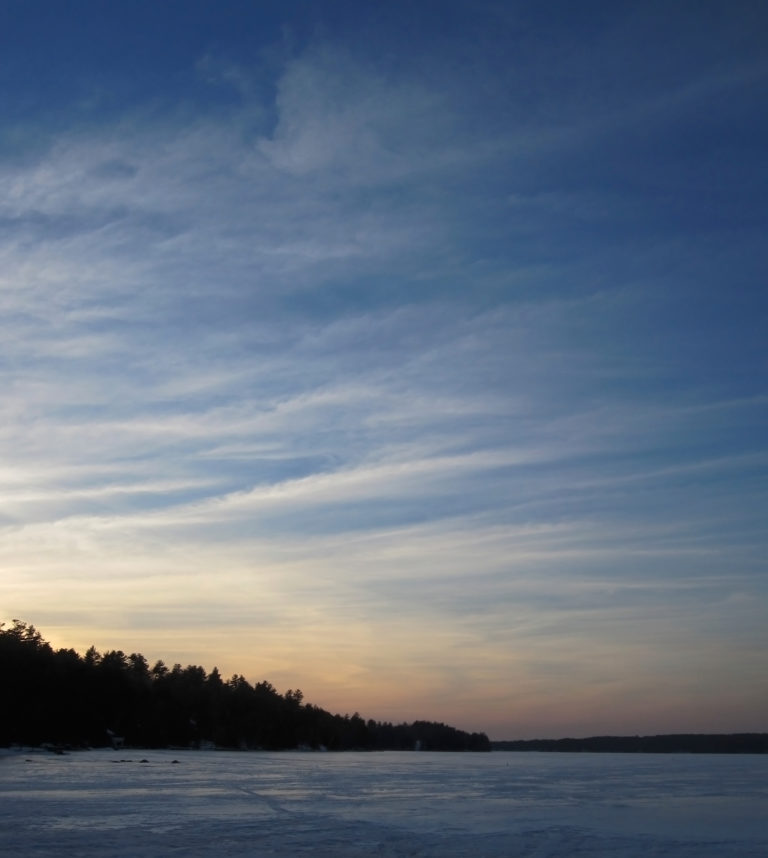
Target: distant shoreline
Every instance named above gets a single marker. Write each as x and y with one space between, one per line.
672 743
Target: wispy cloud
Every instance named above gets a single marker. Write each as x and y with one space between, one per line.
409 352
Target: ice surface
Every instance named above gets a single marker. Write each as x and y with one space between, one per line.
142 803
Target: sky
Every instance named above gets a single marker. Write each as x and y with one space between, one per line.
410 354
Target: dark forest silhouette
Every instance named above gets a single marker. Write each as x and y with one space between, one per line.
669 743
61 698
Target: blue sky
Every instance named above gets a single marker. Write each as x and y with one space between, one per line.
412 356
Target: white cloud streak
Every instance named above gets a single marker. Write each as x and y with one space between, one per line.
260 376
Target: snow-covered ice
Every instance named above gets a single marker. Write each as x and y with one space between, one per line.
141 803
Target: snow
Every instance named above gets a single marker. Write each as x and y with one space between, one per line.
115 804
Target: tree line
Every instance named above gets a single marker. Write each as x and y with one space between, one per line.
670 743
97 699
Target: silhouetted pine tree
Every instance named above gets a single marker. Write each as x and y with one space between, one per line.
63 698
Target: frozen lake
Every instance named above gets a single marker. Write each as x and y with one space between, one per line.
112 803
